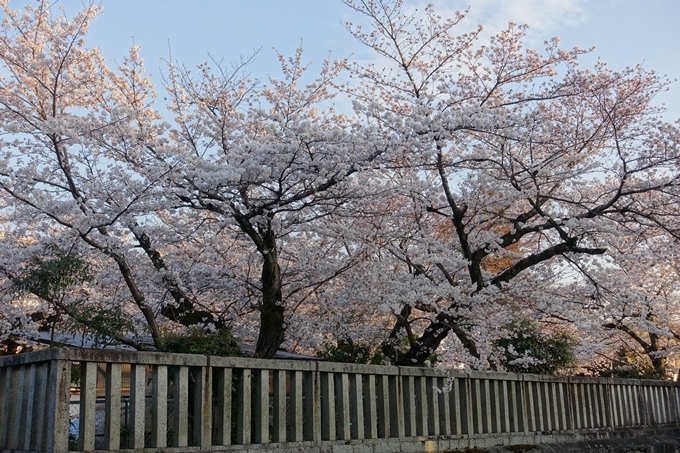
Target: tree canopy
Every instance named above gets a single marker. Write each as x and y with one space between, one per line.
472 184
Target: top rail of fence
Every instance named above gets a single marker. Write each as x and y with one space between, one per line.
195 360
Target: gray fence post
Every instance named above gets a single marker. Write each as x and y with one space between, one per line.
59 382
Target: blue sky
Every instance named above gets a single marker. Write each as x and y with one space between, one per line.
625 32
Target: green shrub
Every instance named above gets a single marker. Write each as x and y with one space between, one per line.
346 351
526 350
47 277
198 341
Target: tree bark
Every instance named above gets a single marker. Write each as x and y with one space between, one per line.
427 344
184 312
653 348
272 328
391 347
139 298
658 361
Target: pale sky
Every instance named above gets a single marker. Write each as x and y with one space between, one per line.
624 32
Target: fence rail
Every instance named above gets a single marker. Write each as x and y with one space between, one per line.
176 402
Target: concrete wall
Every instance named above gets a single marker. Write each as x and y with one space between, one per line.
179 402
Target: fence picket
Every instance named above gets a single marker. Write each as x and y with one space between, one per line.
317 405
297 410
137 405
159 406
243 418
279 409
112 407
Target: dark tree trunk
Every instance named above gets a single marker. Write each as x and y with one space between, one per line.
653 348
272 329
271 311
658 361
659 364
434 334
139 299
427 344
391 347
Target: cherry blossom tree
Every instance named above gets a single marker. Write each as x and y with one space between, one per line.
93 168
472 186
76 135
630 301
268 161
529 161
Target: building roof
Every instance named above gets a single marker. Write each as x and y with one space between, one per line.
87 341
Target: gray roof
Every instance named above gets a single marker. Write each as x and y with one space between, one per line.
87 341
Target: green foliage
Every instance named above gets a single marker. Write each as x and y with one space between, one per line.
54 275
101 323
526 350
346 351
198 341
47 278
75 376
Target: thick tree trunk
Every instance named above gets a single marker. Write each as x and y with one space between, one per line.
434 334
272 328
653 348
427 344
659 364
658 361
391 347
271 311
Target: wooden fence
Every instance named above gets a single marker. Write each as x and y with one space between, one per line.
175 402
